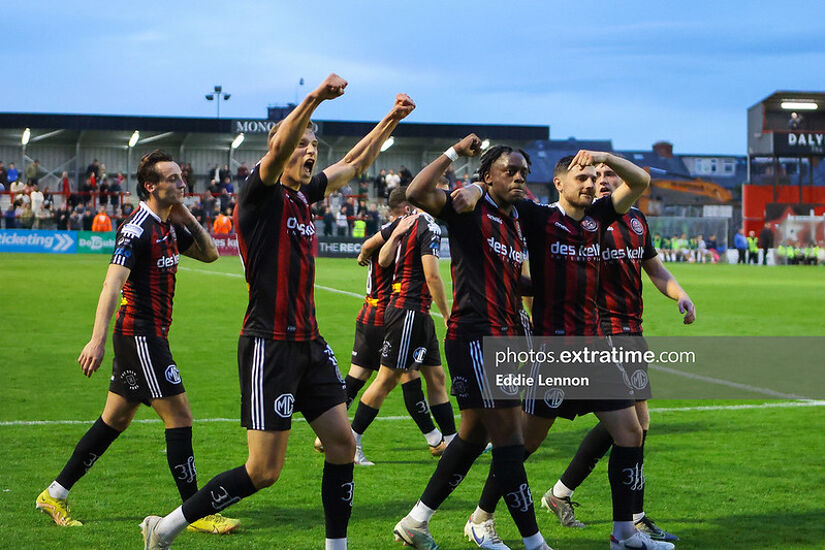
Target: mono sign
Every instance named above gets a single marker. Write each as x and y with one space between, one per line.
252 126
799 143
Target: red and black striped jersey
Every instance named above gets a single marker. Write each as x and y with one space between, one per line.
625 246
409 285
379 285
276 238
150 248
487 250
564 265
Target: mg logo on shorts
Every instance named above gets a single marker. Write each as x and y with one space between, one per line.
284 405
639 379
419 354
553 397
129 377
172 374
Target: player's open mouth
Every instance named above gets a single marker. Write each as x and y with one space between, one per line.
309 164
604 191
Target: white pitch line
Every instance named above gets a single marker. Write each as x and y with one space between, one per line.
747 406
722 382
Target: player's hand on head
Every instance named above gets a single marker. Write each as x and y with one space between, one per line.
588 158
332 87
470 146
404 105
91 357
465 199
687 308
405 224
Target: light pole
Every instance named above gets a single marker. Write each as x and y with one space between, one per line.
217 95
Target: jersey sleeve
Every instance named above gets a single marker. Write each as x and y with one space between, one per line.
649 251
448 213
530 215
603 211
128 244
253 190
184 238
429 236
386 231
316 188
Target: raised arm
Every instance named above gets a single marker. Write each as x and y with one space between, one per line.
92 354
423 191
203 248
292 128
435 283
667 284
387 254
635 179
358 159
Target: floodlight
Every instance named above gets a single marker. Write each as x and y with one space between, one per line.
134 139
799 105
237 141
387 144
27 134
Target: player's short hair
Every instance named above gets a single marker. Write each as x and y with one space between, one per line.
493 153
397 198
274 130
563 166
146 172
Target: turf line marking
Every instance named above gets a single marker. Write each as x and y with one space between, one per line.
722 382
327 288
747 406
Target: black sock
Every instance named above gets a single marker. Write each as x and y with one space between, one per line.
592 448
417 405
181 460
336 493
364 415
354 385
220 492
90 447
450 472
443 415
639 504
491 493
508 469
626 474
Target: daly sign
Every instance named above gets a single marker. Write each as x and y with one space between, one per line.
35 240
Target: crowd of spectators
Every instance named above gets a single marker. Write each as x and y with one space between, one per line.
680 248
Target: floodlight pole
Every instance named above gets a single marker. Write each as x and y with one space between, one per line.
217 95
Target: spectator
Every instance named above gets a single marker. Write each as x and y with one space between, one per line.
11 216
242 173
101 223
363 185
101 173
362 208
227 185
114 193
93 170
18 189
12 175
4 176
36 198
795 121
765 242
223 223
753 248
713 248
103 192
379 184
88 219
44 218
740 243
87 189
225 198
65 185
186 176
349 208
214 188
341 222
26 216
224 173
405 175
208 204
392 181
62 217
372 218
198 213
126 209
328 221
33 172
76 219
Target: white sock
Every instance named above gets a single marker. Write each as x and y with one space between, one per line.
357 437
433 438
480 516
421 512
623 529
57 491
335 544
169 527
448 438
560 490
638 517
533 541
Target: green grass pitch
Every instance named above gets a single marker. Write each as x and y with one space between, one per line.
721 479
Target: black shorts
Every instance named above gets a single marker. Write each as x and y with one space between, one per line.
278 378
549 405
143 369
409 340
634 341
470 383
366 351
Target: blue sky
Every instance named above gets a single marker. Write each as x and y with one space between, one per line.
634 72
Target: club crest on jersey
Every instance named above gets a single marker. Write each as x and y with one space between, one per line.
129 377
636 226
284 405
419 354
589 224
172 374
553 397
